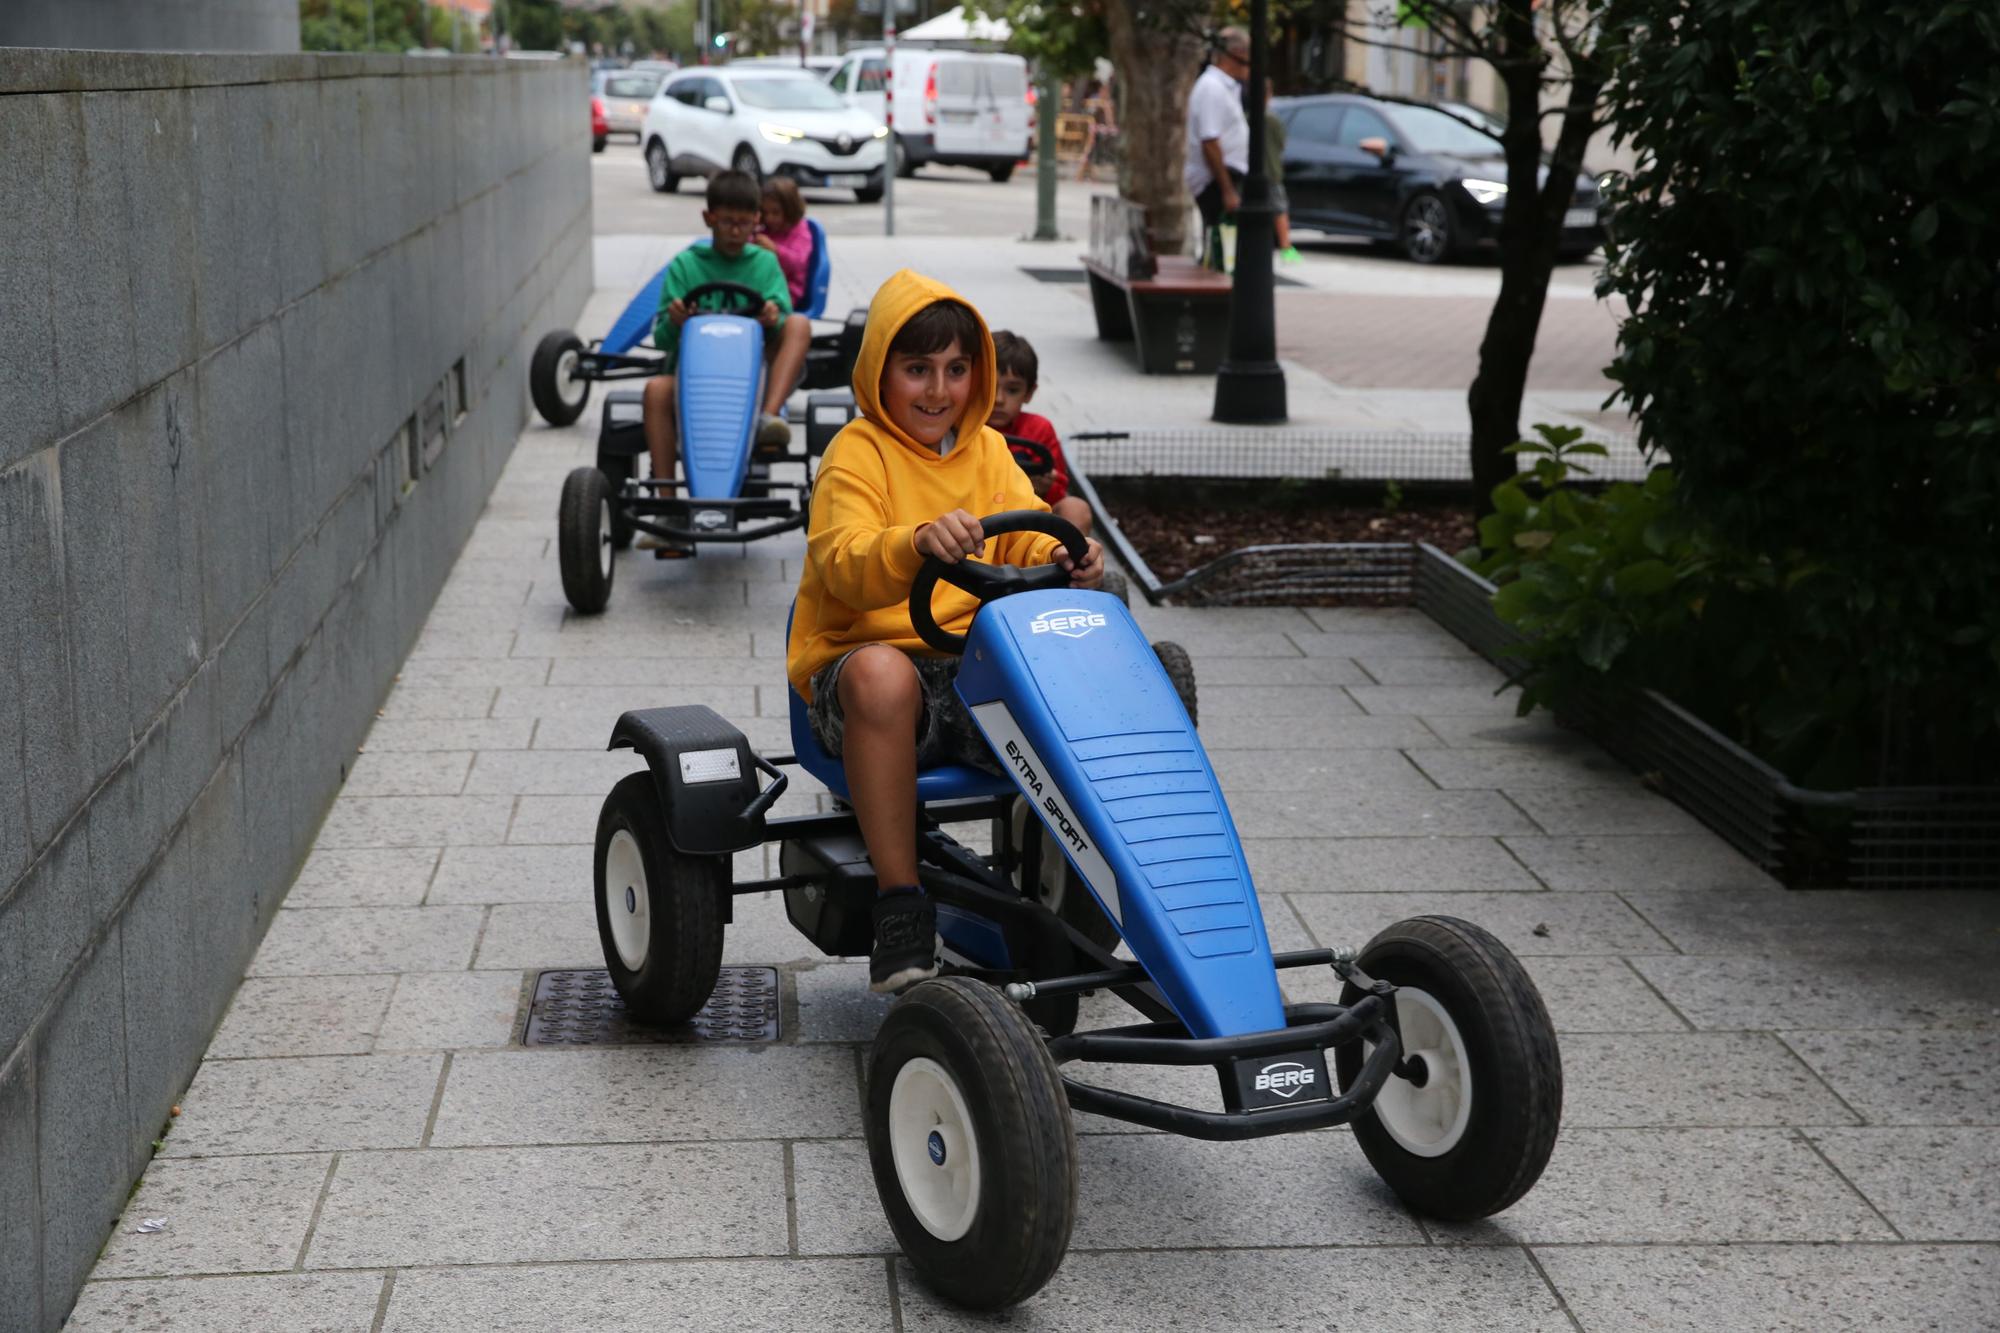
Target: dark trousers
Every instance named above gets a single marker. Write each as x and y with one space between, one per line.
1209 201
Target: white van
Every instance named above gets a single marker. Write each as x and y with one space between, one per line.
957 108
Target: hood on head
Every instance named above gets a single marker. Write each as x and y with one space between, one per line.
896 301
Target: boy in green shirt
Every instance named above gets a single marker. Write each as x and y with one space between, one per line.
734 209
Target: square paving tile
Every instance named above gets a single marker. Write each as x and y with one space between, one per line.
1777 1288
653 672
1679 1186
1909 1078
645 1297
1638 1079
538 773
1463 671
533 936
1219 701
224 1215
1318 733
527 1205
1286 1291
1856 925
364 877
1430 642
1279 671
1602 810
295 1302
1433 700
1537 731
1761 991
333 940
1323 775
655 1093
1639 861
835 1003
1583 994
416 821
556 819
494 668
1932 1183
1527 923
1374 814
763 935
552 874
1511 769
609 702
303 1016
1385 865
429 703
441 1011
488 733
320 1104
408 773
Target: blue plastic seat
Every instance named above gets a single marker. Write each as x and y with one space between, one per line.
819 272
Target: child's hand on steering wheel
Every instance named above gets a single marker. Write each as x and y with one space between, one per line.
770 316
678 312
1089 574
951 536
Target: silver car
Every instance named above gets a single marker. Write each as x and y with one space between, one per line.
627 93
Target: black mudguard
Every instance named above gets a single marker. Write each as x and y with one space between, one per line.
707 776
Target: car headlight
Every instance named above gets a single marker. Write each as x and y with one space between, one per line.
881 131
780 133
1485 192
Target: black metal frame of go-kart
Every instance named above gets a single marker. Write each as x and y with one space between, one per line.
829 886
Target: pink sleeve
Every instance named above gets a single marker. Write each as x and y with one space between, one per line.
794 250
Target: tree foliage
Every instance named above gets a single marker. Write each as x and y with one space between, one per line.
343 25
1809 246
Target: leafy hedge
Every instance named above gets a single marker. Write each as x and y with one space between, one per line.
1810 249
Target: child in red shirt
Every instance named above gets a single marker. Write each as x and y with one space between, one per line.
1015 359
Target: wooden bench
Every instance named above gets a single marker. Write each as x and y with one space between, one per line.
1174 311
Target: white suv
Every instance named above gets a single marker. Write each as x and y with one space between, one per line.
766 122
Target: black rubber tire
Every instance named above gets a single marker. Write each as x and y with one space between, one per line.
1118 586
544 373
1516 1083
906 166
1001 175
1407 229
619 469
1180 670
597 144
684 910
745 161
1074 905
871 195
660 169
1026 1203
581 540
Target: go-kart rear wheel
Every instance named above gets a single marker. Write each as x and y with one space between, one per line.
618 469
1180 670
559 395
970 1139
1060 888
1116 584
584 539
1471 1133
659 911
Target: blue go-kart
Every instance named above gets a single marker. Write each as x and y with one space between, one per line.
725 492
1440 1053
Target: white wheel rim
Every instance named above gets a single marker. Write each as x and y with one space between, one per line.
627 903
568 387
1430 1120
935 1150
604 548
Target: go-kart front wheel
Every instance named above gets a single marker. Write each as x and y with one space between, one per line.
970 1139
552 381
1469 1129
585 539
659 911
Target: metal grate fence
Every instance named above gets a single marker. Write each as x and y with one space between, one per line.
1300 455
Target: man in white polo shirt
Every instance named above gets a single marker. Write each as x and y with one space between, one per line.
1218 136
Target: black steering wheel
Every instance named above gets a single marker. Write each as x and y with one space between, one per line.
738 299
1036 459
988 582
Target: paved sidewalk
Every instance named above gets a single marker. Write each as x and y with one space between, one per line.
1781 1108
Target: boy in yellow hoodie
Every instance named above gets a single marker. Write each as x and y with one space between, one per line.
902 482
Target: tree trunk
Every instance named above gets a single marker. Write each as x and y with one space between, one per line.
1530 230
1157 61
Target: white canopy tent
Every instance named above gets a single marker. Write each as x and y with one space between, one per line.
952 26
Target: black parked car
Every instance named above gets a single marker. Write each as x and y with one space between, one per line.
1407 173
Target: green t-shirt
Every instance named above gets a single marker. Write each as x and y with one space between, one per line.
1274 148
756 267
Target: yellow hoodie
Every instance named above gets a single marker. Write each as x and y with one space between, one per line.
876 486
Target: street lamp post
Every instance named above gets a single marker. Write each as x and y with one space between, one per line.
1250 384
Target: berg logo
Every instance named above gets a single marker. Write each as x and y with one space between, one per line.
1070 622
1286 1078
722 328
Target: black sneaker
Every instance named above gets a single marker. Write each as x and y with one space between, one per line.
905 940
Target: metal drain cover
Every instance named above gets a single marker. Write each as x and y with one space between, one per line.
583 1009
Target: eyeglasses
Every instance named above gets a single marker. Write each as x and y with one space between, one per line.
723 223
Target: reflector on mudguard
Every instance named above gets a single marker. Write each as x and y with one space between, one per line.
1070 695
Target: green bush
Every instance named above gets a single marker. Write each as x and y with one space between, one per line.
1808 246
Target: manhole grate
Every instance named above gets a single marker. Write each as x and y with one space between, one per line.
583 1009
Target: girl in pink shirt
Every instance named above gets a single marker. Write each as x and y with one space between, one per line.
785 234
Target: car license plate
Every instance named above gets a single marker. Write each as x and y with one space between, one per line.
847 181
1580 217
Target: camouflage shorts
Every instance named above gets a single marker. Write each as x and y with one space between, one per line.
945 731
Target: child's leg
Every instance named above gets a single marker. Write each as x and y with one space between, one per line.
659 419
1284 231
787 364
881 702
1075 510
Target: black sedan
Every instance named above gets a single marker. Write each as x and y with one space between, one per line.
1407 173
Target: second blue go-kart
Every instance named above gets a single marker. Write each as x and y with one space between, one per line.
1440 1054
724 492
